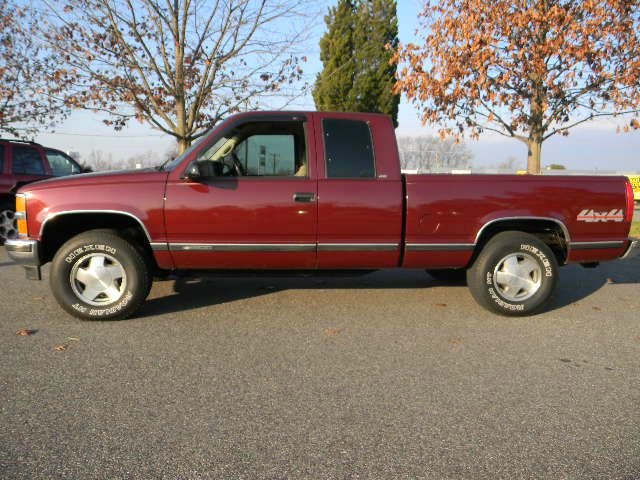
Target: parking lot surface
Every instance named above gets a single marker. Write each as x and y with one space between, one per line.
388 375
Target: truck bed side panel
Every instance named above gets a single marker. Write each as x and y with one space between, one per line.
446 213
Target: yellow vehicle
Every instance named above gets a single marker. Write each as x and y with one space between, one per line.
635 182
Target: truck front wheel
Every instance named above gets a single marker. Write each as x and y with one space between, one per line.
98 275
514 275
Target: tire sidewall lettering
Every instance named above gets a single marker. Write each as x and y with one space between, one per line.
96 312
546 264
89 248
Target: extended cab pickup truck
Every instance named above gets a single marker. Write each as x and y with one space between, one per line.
308 191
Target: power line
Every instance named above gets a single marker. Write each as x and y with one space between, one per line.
103 136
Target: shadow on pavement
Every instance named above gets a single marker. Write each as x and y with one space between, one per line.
576 283
195 292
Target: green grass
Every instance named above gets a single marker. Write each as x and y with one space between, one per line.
635 229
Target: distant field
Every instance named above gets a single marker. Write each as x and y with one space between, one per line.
635 229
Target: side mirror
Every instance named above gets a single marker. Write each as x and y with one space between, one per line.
193 172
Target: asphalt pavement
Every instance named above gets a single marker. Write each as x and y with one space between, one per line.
389 375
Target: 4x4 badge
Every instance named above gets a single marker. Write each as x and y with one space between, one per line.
587 215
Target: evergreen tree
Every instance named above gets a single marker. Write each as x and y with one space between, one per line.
357 73
333 86
375 42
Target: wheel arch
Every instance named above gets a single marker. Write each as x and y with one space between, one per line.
551 231
60 227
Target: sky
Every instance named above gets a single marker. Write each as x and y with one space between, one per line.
593 146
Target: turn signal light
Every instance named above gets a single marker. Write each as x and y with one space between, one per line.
21 203
21 215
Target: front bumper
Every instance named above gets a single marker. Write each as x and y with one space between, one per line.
24 252
633 250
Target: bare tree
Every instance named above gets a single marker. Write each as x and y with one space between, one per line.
179 65
511 164
426 152
101 161
31 84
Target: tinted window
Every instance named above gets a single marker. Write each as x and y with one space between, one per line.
27 161
260 149
268 155
60 164
348 149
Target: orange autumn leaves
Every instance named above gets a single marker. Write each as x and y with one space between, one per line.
527 69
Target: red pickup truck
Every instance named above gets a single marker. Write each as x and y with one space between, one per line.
307 191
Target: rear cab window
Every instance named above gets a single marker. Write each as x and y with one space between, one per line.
27 161
348 148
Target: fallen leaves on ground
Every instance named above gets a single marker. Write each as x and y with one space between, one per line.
441 304
61 347
455 341
25 332
332 331
597 309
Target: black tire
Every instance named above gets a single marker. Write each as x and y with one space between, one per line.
493 261
131 288
449 275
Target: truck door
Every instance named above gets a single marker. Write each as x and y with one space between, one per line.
254 205
359 192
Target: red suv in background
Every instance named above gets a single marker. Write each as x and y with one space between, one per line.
23 162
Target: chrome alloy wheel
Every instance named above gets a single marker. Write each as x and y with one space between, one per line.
517 277
8 225
98 279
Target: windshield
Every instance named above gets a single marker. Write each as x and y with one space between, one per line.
173 163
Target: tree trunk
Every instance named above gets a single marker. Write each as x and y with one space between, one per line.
183 144
534 147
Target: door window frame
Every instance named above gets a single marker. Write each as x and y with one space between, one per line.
180 173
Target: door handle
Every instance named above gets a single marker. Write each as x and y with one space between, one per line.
304 197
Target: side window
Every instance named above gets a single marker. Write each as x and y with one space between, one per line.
260 149
60 164
348 149
27 161
268 155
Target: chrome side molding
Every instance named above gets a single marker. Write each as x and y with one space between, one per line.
596 245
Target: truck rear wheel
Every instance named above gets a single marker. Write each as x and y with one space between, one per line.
98 275
514 275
